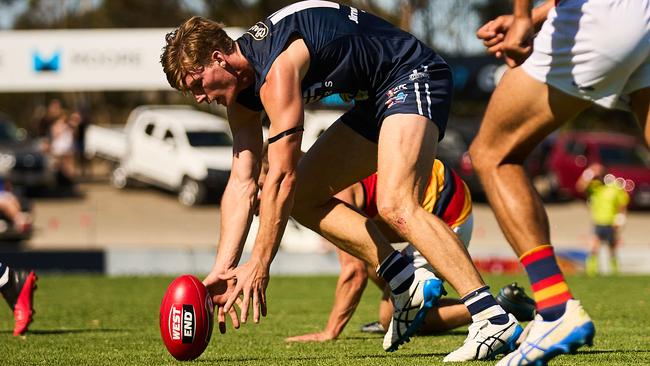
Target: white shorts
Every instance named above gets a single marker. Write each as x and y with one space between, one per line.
597 50
464 232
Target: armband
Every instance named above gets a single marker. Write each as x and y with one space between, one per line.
288 132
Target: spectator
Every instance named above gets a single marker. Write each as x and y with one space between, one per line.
61 149
52 113
608 204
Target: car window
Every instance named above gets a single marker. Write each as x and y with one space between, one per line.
623 155
148 129
208 139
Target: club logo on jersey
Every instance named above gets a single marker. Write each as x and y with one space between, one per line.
183 323
258 31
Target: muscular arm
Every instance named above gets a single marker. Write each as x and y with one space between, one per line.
282 99
238 199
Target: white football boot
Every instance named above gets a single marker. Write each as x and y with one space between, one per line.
411 308
548 339
486 340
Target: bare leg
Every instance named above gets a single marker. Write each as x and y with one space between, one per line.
339 158
511 128
402 175
640 103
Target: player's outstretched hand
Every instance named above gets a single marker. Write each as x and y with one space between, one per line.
312 337
221 290
251 278
494 32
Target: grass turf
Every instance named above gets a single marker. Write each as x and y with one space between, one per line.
95 320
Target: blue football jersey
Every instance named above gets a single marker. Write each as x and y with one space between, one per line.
352 53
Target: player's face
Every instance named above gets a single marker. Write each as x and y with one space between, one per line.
212 84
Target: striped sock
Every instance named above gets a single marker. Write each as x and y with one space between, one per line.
4 274
550 291
482 306
397 272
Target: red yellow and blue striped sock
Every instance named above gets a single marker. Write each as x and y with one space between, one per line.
550 291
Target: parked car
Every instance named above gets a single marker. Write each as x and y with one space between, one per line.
624 156
21 160
173 147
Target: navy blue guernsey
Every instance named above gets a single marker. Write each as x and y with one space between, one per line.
352 53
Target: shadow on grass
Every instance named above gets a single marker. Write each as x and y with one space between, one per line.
67 331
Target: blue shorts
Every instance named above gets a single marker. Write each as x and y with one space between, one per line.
605 233
425 91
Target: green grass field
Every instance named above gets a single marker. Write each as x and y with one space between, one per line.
95 320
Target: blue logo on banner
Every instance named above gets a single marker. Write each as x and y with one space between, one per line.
44 64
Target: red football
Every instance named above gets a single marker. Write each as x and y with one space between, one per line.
186 316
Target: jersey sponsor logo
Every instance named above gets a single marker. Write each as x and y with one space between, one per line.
354 15
418 76
316 92
359 95
259 31
182 323
396 95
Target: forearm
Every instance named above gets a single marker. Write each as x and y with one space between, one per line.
238 202
540 13
349 290
275 208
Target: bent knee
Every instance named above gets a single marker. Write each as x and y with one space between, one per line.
396 212
480 156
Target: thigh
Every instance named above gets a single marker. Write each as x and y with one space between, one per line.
339 158
407 148
521 113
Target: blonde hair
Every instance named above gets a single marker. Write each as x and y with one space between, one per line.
189 48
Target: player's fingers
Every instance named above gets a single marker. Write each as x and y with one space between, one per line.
221 320
263 303
234 318
496 48
245 304
233 297
256 306
494 41
486 31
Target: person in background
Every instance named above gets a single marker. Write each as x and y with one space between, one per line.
62 149
608 202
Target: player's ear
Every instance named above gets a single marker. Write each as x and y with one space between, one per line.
218 58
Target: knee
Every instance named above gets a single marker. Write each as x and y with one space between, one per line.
481 161
396 210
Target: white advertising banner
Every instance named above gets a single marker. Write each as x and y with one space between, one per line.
84 60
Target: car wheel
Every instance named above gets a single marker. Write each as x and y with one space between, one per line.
191 192
119 178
